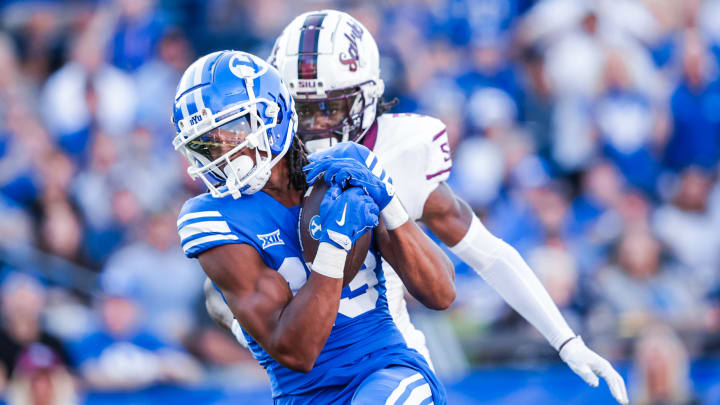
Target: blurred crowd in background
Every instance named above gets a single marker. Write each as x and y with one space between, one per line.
584 133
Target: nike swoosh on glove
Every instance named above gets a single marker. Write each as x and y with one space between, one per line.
346 215
589 365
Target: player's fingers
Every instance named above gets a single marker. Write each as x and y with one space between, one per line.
623 389
314 169
335 191
312 166
372 219
615 383
587 374
337 175
311 179
312 172
616 390
362 195
371 213
329 200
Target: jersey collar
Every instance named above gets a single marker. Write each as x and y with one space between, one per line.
371 136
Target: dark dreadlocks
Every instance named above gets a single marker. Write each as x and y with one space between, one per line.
297 159
384 106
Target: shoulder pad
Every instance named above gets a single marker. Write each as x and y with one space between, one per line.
202 225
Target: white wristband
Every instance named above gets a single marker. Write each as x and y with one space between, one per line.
329 260
394 214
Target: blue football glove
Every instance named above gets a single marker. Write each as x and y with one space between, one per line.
344 150
351 164
344 217
345 172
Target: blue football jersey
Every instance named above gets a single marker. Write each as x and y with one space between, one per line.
363 325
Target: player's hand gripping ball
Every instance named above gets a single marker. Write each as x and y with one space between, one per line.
351 164
350 213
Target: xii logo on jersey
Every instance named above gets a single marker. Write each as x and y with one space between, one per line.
270 239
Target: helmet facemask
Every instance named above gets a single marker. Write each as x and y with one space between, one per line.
323 122
219 155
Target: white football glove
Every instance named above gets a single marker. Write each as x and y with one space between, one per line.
589 365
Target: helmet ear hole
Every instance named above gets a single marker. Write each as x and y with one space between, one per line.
283 107
379 88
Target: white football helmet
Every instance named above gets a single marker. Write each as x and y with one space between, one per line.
331 65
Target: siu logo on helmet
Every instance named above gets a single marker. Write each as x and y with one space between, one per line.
351 58
307 84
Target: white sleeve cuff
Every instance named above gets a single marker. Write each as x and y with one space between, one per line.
394 214
329 260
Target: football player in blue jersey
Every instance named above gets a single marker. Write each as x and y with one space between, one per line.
319 342
331 65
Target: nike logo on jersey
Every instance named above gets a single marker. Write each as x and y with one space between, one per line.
341 221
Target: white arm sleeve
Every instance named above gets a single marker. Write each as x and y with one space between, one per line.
501 266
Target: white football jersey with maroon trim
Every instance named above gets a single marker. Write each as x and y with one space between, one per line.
415 151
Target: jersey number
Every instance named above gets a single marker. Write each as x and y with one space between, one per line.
358 297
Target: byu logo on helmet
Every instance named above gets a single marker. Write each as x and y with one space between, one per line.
234 119
315 228
195 118
242 66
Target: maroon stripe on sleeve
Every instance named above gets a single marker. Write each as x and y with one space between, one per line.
430 176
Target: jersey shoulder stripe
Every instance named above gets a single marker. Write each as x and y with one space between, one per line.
194 247
202 225
194 215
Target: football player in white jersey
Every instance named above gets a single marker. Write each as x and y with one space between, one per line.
330 63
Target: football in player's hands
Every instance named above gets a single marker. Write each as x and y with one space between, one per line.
351 164
311 230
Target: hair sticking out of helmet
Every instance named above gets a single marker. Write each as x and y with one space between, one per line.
331 64
235 120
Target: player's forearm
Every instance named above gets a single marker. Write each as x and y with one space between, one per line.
305 323
425 270
505 270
